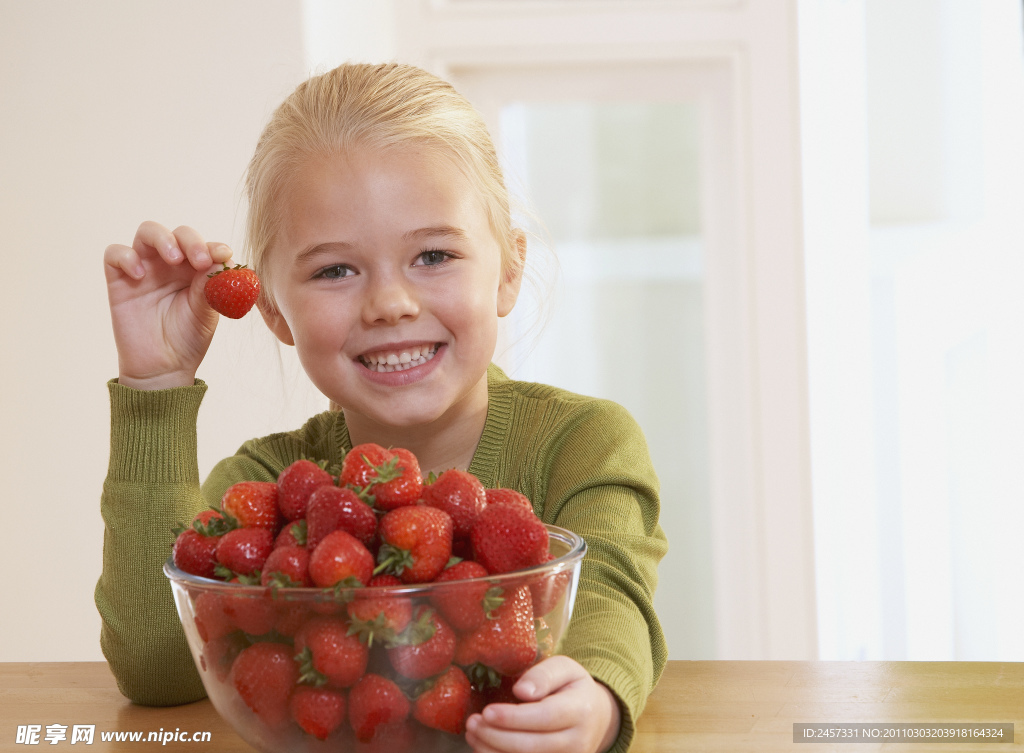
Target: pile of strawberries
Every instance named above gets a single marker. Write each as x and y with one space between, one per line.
374 658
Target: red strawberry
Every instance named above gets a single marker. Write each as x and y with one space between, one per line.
337 558
460 495
333 508
508 643
244 550
218 655
252 611
508 497
212 621
425 648
232 291
263 674
319 711
507 538
375 701
466 605
548 590
445 705
398 481
293 534
416 543
195 553
286 567
358 467
253 504
291 615
379 616
328 654
296 483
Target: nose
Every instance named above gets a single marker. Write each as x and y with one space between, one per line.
390 298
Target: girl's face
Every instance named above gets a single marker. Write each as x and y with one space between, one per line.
388 282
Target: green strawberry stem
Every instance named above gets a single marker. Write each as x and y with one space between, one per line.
308 675
393 560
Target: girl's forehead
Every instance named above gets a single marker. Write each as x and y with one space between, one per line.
360 191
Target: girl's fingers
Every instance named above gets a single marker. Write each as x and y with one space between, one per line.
544 678
195 248
553 713
219 252
118 259
155 236
487 738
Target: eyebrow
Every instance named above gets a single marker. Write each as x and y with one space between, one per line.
441 231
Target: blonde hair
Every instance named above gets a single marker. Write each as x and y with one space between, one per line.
375 107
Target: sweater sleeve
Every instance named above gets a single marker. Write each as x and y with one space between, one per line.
602 485
152 483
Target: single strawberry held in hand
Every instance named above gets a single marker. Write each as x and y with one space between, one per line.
232 291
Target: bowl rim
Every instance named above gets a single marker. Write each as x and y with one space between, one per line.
577 550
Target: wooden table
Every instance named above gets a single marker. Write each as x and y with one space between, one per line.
698 706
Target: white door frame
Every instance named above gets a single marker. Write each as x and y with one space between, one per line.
752 225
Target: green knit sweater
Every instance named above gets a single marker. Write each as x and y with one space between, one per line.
583 462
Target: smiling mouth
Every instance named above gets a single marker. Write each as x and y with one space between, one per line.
399 360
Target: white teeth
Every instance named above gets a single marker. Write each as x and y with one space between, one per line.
385 362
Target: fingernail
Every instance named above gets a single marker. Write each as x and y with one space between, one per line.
528 687
202 258
139 272
173 253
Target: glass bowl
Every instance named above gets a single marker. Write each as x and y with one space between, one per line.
257 695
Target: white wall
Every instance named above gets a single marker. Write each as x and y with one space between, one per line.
112 113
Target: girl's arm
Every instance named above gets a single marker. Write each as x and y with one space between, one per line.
597 480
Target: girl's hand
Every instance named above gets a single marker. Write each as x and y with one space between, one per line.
162 323
563 709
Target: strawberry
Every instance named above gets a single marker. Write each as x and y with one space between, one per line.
416 543
286 567
218 655
319 711
253 504
548 590
460 495
508 643
195 553
263 674
291 615
396 737
296 483
252 611
507 538
232 291
293 534
332 508
425 648
244 550
358 469
337 558
466 605
374 615
328 654
508 497
212 622
445 704
398 481
375 701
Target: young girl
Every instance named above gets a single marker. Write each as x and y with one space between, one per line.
379 226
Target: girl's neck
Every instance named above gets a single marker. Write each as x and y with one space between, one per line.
448 442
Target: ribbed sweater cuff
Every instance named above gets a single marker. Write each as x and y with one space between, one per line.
624 687
153 433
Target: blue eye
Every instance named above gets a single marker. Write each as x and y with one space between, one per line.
434 258
334 272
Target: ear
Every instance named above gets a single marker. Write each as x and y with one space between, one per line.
512 281
275 321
